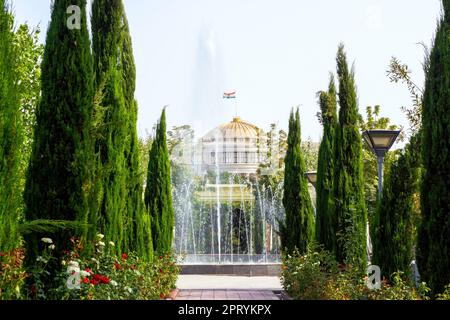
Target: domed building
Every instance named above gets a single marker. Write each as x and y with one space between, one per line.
237 147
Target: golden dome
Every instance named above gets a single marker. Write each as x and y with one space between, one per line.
235 129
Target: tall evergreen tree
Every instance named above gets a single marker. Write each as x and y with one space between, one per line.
140 239
348 185
325 220
117 142
158 192
393 224
297 231
112 138
10 136
434 234
57 175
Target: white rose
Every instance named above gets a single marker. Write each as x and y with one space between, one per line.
101 244
72 270
113 283
85 274
47 240
52 247
100 236
40 259
112 244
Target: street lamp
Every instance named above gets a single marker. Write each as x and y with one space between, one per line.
312 178
380 142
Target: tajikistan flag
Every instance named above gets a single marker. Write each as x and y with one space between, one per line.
229 95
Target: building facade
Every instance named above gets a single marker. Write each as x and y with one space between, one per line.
237 147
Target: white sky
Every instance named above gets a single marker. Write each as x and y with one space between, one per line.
275 53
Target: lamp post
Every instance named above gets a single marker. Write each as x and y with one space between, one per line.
312 178
380 142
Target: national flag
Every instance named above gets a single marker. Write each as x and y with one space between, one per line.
229 95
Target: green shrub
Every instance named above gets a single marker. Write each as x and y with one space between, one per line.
401 288
305 276
347 284
445 295
317 276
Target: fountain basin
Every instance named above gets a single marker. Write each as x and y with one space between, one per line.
246 270
233 265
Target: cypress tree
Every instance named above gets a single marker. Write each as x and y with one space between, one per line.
434 233
57 175
325 222
158 192
141 239
112 137
393 224
348 185
297 231
119 153
140 230
10 136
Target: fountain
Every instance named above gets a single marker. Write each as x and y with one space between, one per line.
234 220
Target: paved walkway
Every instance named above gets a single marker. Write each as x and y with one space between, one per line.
190 282
197 287
226 295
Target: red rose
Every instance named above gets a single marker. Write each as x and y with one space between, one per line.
94 282
85 280
124 256
117 266
105 280
97 277
88 271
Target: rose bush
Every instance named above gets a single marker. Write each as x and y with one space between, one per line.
100 275
317 276
107 275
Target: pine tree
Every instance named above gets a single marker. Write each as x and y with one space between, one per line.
434 233
112 139
57 175
325 222
393 224
158 192
348 185
10 136
297 231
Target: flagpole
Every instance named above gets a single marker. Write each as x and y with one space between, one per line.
232 96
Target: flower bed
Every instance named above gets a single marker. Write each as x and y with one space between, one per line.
101 275
317 276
